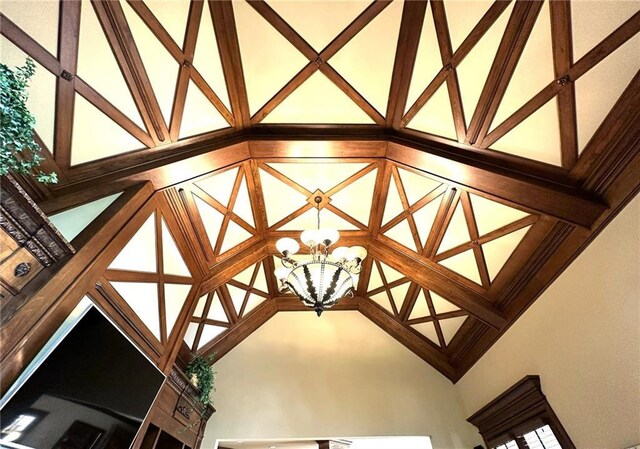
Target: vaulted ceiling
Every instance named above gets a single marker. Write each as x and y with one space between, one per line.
473 147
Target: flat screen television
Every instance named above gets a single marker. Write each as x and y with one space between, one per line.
90 389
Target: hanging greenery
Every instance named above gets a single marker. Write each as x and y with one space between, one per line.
200 367
19 152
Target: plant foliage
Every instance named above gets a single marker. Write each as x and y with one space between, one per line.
19 152
201 368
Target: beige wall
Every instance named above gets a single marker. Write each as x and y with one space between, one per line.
582 336
300 376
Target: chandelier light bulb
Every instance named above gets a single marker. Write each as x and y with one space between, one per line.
356 252
328 235
310 237
287 246
340 252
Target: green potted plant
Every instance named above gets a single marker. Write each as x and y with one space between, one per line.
19 152
202 376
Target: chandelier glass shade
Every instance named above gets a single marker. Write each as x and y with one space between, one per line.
322 278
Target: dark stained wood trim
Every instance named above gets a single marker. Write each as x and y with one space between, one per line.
65 90
413 14
293 304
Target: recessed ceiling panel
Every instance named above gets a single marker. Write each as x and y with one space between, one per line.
457 232
318 175
474 68
190 334
383 300
209 332
356 198
40 23
598 90
436 117
375 280
273 188
234 235
399 294
95 136
245 275
220 185
211 219
172 14
318 22
309 220
534 70
200 115
207 58
199 310
237 297
393 206
592 22
175 296
41 90
464 264
161 67
139 254
537 137
428 61
416 186
462 17
261 280
142 297
441 305
497 252
390 274
366 61
172 261
242 207
216 311
425 217
491 215
269 61
401 233
450 327
428 330
72 221
253 302
420 307
318 101
98 66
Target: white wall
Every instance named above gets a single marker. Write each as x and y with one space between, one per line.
582 336
300 376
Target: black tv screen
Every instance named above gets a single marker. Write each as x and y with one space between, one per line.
91 392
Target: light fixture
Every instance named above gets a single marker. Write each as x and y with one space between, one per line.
323 279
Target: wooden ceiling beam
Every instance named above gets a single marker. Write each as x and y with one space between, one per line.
567 204
428 275
29 45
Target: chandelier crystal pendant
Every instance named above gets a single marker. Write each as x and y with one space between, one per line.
321 279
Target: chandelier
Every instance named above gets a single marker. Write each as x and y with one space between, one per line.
321 279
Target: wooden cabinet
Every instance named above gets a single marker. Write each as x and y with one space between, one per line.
177 419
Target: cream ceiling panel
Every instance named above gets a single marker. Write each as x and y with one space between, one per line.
457 232
464 264
95 136
383 300
42 90
416 186
142 297
428 61
139 254
591 22
425 218
190 334
318 175
356 199
393 206
261 280
72 221
242 207
375 280
491 215
474 68
399 293
319 101
463 15
319 22
175 296
450 327
220 185
273 190
211 219
428 330
436 117
309 220
441 305
534 70
173 15
98 67
390 274
420 308
269 61
234 236
161 67
366 61
237 297
200 115
401 233
245 275
599 89
216 311
41 23
198 311
498 251
537 137
207 58
209 332
253 302
172 261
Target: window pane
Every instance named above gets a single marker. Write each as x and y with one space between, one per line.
542 438
508 445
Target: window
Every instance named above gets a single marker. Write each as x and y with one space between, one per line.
521 418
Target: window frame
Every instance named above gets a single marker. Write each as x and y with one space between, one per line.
520 409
